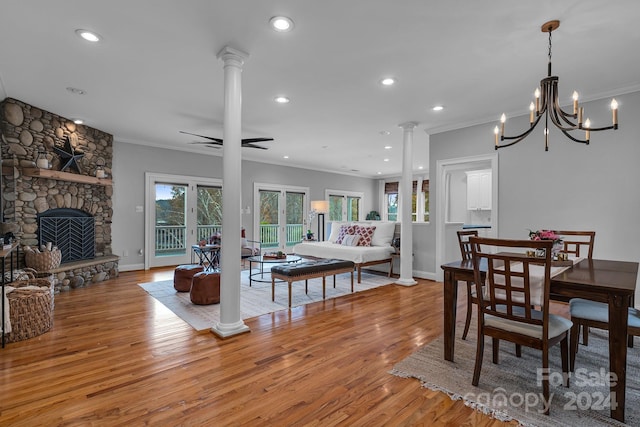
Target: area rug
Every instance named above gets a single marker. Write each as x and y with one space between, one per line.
256 300
510 391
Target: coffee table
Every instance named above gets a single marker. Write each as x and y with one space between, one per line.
260 259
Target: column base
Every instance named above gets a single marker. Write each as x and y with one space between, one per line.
225 330
406 282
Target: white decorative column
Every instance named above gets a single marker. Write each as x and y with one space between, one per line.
230 321
406 188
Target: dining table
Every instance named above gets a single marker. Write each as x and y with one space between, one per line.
608 281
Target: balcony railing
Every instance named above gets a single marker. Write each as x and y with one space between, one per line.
172 238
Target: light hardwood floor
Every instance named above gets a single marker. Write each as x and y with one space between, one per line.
115 356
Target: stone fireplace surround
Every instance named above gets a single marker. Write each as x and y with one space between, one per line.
26 130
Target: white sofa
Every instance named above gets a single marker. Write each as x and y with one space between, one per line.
379 252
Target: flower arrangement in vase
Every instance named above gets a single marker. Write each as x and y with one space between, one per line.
548 235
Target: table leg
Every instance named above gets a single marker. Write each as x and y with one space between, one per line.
618 318
450 306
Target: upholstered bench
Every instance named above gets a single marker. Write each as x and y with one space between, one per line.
183 275
205 288
310 270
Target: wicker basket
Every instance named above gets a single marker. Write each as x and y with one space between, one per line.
30 310
42 261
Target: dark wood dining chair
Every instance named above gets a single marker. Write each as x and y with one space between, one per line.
465 251
593 314
574 241
514 284
579 244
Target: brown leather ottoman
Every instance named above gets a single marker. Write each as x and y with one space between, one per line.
183 275
205 288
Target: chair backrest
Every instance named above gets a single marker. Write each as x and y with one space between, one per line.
463 241
514 280
574 240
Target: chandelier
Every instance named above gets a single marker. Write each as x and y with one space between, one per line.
546 105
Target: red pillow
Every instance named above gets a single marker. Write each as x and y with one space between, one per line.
366 234
344 230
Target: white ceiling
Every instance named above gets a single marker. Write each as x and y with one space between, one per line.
156 72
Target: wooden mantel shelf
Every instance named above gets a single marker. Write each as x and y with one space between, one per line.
65 176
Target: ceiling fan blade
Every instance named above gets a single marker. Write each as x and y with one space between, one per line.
250 145
208 143
250 140
210 138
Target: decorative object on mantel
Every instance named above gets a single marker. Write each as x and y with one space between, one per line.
69 156
46 258
41 161
549 107
100 173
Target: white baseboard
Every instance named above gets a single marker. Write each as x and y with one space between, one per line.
130 267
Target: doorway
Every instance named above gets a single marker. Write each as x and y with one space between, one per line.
280 218
448 223
180 211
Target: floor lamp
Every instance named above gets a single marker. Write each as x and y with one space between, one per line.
320 207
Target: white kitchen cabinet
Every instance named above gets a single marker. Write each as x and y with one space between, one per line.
479 190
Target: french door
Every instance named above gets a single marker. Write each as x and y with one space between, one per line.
180 211
281 215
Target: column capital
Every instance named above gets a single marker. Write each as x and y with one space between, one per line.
408 125
228 54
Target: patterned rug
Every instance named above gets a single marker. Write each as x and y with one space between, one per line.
256 300
510 391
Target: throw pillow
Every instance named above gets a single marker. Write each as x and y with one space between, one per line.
366 234
384 233
345 230
335 230
351 240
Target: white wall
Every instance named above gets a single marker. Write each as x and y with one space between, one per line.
572 186
130 162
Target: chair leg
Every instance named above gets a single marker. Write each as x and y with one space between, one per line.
564 350
467 321
479 354
495 343
585 335
518 350
545 377
575 332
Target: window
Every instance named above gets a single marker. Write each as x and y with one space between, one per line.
419 200
391 200
344 205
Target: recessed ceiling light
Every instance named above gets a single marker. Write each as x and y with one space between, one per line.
438 108
281 23
420 167
89 36
76 91
388 147
385 133
379 173
386 160
281 99
78 121
285 157
388 81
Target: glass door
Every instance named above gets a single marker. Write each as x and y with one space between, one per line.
170 224
181 211
281 216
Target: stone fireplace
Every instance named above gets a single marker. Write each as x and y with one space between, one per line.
31 195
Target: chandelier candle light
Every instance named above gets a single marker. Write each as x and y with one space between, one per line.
547 105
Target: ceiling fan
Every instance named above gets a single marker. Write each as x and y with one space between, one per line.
217 142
